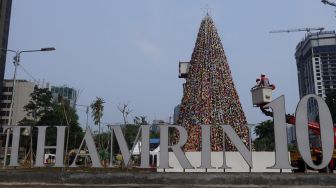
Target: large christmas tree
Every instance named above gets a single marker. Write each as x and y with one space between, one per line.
209 96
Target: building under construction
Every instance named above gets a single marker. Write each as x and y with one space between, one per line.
316 66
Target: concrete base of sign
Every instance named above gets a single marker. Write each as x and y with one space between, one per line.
52 178
261 160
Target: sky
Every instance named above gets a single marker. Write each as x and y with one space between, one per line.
127 51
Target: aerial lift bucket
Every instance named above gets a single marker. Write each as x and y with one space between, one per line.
261 95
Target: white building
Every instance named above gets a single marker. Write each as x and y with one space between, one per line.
23 89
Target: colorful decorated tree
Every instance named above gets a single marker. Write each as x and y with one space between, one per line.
209 95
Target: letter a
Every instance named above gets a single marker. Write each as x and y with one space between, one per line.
92 150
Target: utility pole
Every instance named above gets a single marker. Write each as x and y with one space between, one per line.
16 64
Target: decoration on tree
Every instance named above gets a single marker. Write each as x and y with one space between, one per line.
209 95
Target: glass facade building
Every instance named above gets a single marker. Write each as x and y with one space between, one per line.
60 93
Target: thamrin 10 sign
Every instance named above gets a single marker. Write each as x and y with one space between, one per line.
280 135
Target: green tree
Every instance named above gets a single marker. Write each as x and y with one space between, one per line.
265 136
65 114
154 135
131 132
97 108
41 110
39 106
40 103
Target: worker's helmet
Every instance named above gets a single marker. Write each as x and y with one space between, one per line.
262 75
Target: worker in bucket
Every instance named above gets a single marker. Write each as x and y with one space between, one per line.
263 81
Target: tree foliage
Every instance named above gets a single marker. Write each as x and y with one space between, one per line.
265 136
97 108
131 133
40 103
41 111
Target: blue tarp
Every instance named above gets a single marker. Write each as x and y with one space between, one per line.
154 140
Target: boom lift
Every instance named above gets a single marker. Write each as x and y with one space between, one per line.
262 95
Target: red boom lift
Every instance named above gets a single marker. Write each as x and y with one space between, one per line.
261 96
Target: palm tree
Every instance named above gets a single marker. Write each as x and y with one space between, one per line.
97 108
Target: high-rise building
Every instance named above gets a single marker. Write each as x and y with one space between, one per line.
64 92
5 14
176 114
316 66
209 94
23 89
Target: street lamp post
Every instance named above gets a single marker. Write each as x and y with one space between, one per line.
16 64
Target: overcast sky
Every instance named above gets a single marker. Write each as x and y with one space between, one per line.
128 51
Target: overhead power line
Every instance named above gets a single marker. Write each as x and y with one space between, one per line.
30 75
